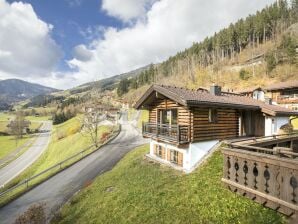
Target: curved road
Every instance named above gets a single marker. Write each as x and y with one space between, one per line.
14 168
58 189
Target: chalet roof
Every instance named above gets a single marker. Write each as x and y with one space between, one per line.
192 98
283 85
249 90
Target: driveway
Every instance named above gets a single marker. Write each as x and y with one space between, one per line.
58 189
14 168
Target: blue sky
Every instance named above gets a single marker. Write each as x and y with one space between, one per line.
65 43
71 20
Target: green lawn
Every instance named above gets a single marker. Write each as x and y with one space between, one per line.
35 125
8 144
41 118
66 141
131 113
3 126
137 191
144 117
5 116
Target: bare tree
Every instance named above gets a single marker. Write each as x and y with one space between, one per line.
90 123
18 126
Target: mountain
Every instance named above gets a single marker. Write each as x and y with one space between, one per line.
15 90
108 83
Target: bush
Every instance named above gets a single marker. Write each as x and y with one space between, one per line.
60 135
286 129
105 136
73 129
244 75
34 215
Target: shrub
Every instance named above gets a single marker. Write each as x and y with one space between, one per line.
34 215
286 129
60 135
244 75
73 129
104 136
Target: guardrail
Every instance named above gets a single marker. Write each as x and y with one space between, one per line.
268 176
61 165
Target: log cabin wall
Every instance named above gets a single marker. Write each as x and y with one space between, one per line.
226 126
183 113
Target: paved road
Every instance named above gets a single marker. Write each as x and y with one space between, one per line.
14 168
55 191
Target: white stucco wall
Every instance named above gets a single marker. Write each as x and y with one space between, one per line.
191 155
259 95
273 124
196 152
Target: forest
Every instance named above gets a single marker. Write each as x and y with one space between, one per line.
250 32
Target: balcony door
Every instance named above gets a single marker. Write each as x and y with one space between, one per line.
168 117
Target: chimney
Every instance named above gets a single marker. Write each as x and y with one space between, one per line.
268 101
215 90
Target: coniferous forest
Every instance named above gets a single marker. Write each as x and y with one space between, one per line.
251 32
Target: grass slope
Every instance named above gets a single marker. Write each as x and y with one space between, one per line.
8 144
144 117
137 191
66 141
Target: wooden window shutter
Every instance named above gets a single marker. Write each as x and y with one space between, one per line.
180 159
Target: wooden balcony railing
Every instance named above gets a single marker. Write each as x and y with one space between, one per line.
171 133
293 98
268 176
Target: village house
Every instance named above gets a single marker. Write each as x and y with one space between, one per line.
184 125
255 93
284 94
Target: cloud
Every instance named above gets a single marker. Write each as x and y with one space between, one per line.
170 26
26 46
126 10
81 53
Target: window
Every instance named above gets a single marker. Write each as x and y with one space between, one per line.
168 116
159 151
212 115
174 156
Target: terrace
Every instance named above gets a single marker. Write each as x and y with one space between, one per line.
264 170
283 99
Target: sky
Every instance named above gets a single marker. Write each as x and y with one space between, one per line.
65 43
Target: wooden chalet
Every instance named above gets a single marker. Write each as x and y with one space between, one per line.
284 94
184 125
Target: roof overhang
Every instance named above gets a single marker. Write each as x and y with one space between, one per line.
217 104
153 92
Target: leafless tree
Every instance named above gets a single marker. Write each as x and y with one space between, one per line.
18 125
90 123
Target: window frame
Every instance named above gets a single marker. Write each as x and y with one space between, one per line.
174 154
159 151
212 115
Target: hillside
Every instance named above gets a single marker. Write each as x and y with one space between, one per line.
137 191
15 90
258 50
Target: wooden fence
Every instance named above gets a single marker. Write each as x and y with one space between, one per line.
267 175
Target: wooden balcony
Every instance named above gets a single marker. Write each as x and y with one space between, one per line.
178 134
267 175
287 99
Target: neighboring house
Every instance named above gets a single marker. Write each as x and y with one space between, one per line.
284 94
255 93
184 125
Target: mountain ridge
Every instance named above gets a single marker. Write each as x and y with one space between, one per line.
16 90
